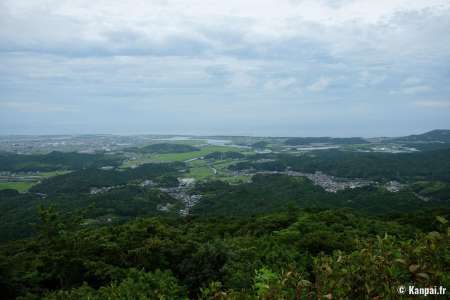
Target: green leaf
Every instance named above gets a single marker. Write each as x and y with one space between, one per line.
441 220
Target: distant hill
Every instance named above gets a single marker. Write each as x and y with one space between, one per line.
165 148
437 135
324 140
424 165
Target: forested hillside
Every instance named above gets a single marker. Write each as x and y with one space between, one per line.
83 180
430 165
290 255
438 135
269 193
55 161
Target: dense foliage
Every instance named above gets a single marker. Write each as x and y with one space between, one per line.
224 155
432 189
429 146
125 199
18 212
81 181
268 193
433 165
55 161
430 165
121 199
267 165
290 255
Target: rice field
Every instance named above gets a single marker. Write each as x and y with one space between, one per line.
19 186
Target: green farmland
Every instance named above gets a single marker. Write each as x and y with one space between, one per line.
19 186
170 157
23 186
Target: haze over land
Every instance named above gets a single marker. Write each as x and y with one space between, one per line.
280 68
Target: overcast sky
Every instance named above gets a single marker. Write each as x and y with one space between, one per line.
241 67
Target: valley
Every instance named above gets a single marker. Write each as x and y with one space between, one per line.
239 207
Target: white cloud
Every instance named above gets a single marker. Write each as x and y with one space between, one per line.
367 79
90 26
413 90
282 84
55 54
411 86
37 107
411 81
320 85
433 104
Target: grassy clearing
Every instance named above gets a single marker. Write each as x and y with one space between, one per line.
23 186
224 174
190 155
204 172
140 159
201 170
236 179
53 173
198 169
198 163
169 157
19 186
222 165
200 173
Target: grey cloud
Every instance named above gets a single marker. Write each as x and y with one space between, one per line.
205 68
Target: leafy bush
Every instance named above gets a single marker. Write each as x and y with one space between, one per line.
136 285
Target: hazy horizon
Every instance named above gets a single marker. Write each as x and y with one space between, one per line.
211 135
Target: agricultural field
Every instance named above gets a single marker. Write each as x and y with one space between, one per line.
200 173
24 186
19 186
214 170
140 158
190 155
52 173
